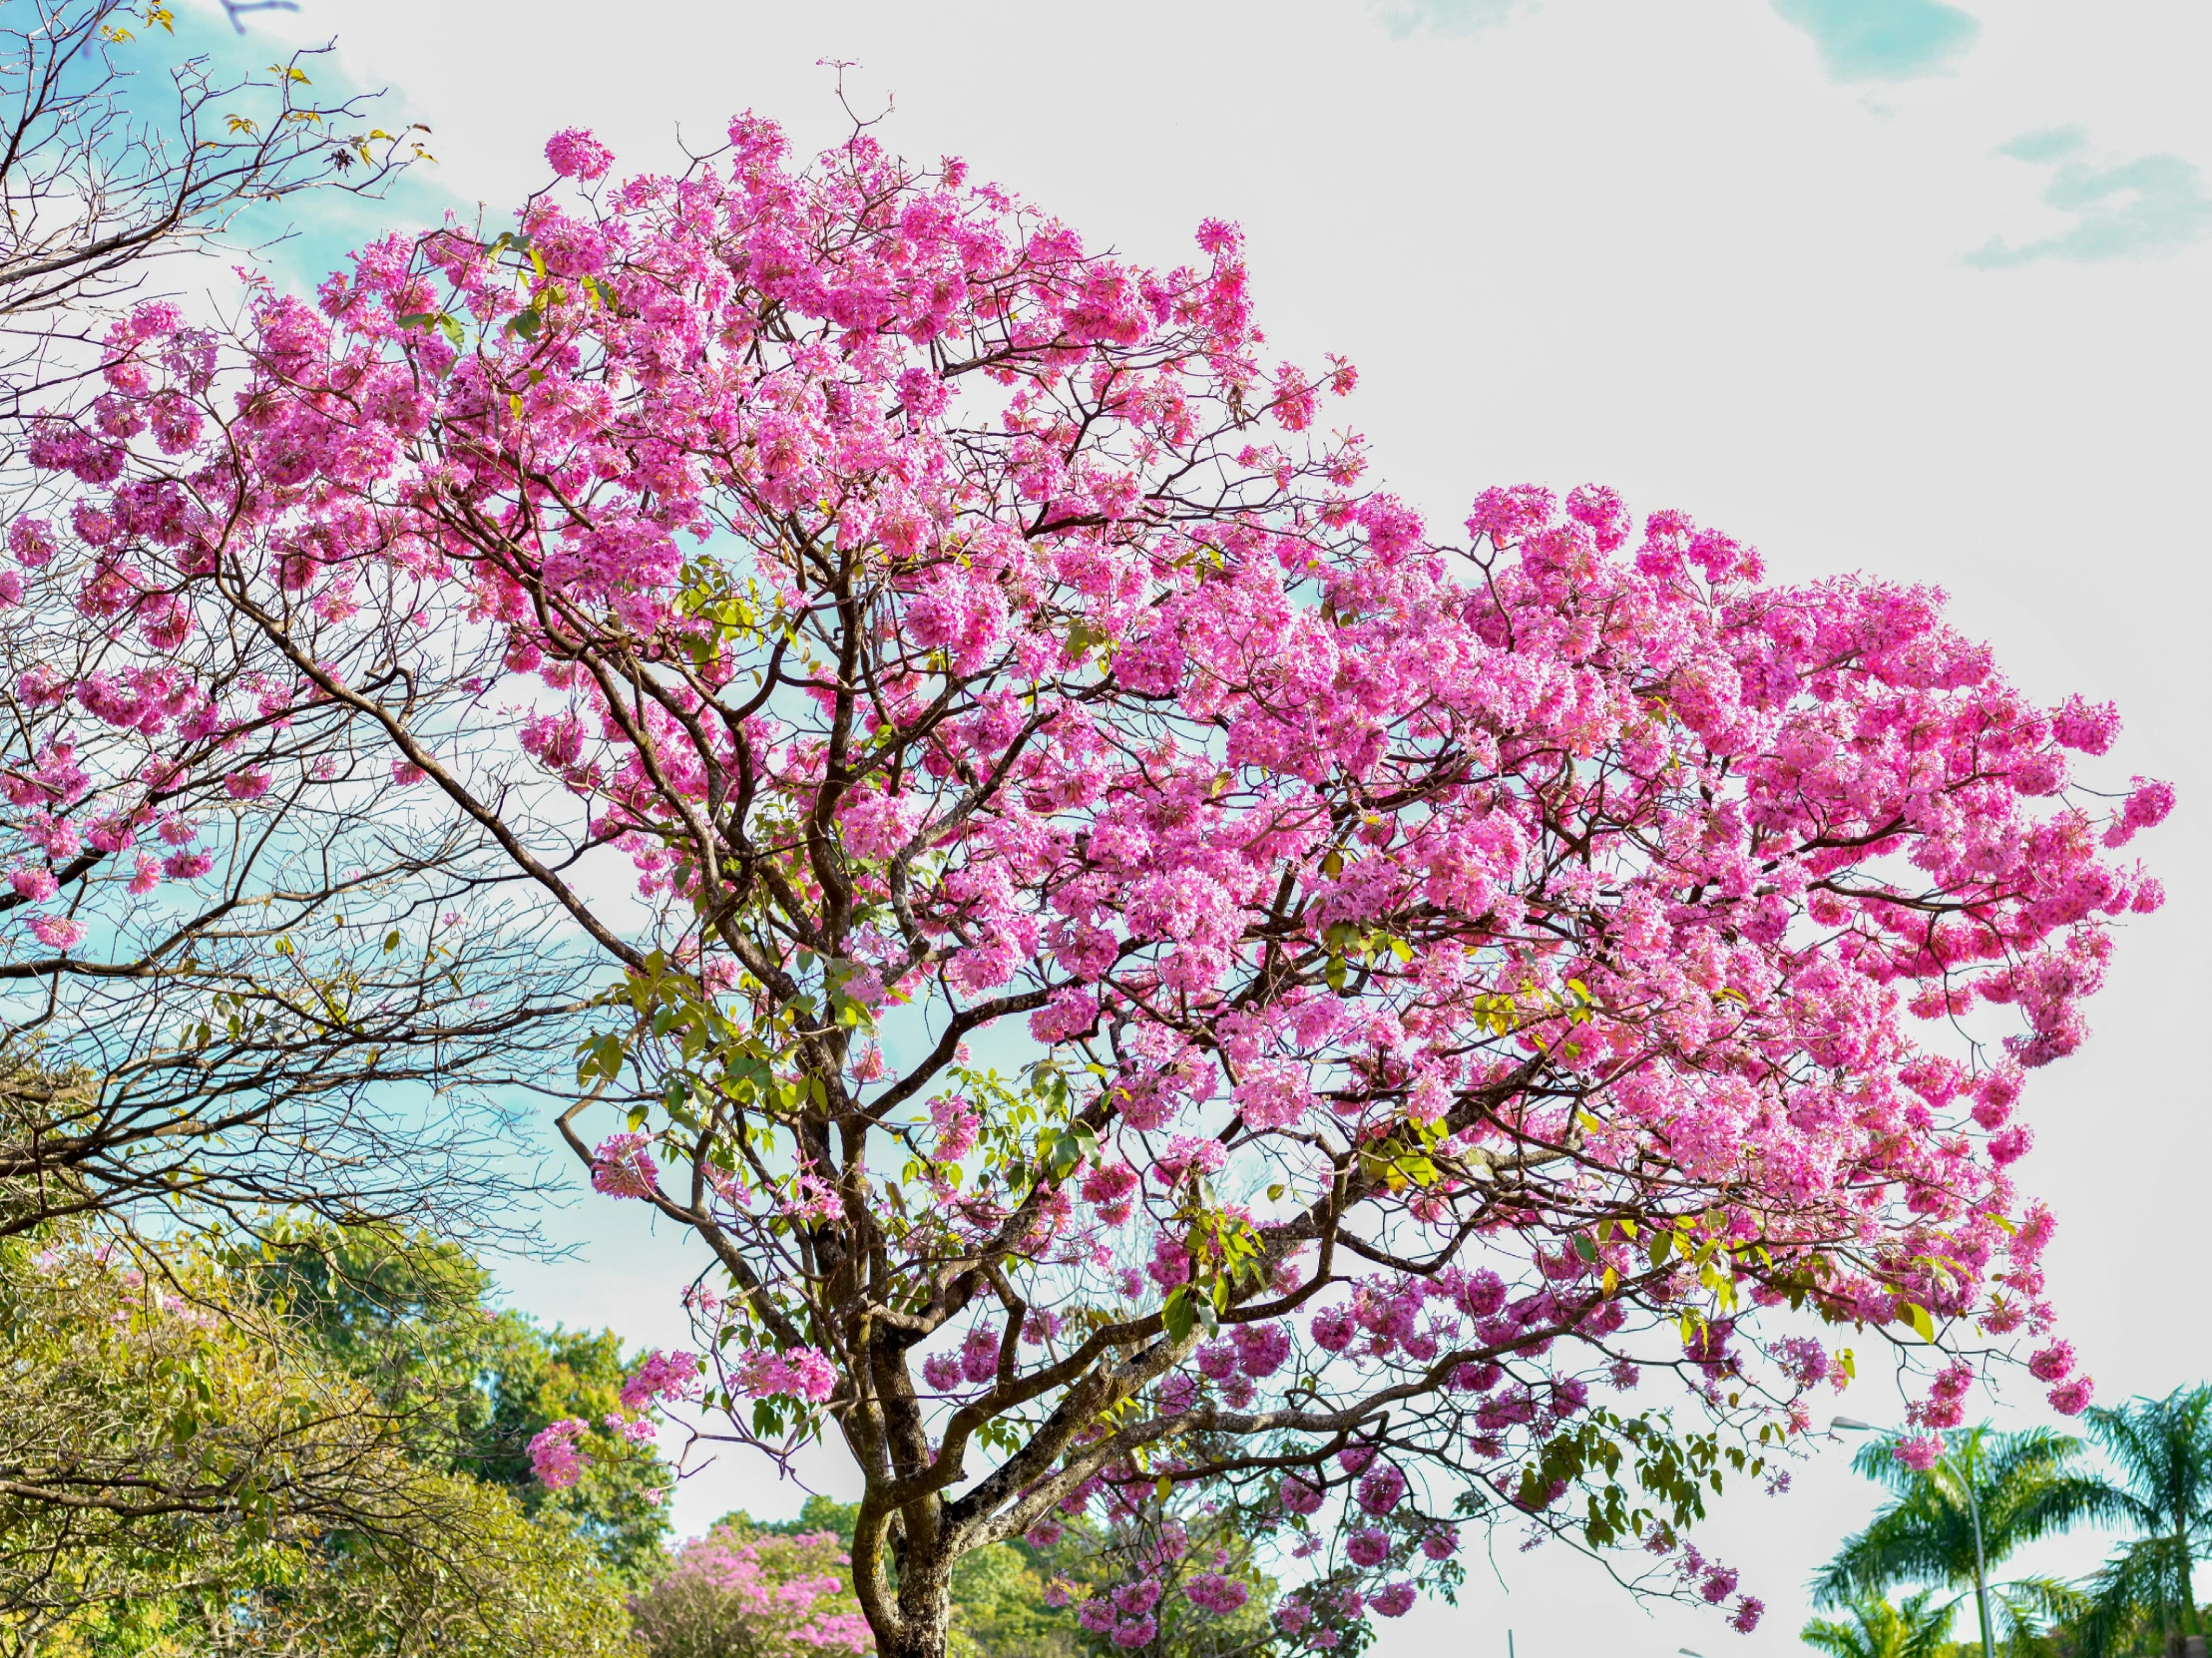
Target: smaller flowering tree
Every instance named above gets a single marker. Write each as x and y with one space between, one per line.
736 1595
1159 980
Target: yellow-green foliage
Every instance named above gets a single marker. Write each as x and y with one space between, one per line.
183 1470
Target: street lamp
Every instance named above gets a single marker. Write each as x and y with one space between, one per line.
1852 1425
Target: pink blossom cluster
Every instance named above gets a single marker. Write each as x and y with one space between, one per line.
662 1376
804 1372
623 1167
766 1593
555 1457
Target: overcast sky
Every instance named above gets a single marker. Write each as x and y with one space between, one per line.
1884 284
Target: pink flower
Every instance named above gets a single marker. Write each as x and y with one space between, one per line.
1109 1186
34 885
2054 1363
2090 727
623 1167
553 1455
574 153
248 784
958 1125
979 1354
1380 1488
943 1372
2070 1399
1133 1600
662 1376
1261 1349
1298 1497
31 539
1210 1591
57 932
799 1372
1920 1452
1393 1601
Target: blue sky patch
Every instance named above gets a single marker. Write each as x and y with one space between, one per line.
2150 205
1443 17
1882 39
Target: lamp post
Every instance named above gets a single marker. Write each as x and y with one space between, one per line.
1852 1425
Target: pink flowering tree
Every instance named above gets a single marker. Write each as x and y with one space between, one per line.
734 1594
1159 976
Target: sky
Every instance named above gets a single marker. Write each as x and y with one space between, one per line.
1897 285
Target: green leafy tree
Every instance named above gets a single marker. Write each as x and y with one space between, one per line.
2160 1452
534 1375
408 1317
1002 1609
1921 1628
184 1468
2023 1487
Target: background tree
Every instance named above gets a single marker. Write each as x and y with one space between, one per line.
736 1594
2025 1485
2161 1452
182 1469
298 1030
1919 1628
1027 1598
99 178
1011 1600
410 1318
1149 972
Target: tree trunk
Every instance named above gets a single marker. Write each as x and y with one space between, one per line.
2189 1621
922 1611
915 1641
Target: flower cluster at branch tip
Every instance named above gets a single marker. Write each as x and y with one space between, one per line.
801 1373
663 1376
623 1167
555 1457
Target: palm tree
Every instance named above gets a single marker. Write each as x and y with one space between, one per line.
2018 1486
1879 1630
2161 1451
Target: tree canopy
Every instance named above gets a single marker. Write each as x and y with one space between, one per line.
1175 995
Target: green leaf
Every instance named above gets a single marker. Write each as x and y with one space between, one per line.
1923 1326
1180 1313
1585 1249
